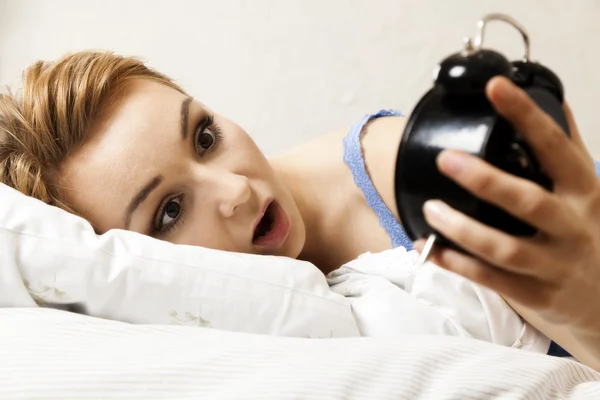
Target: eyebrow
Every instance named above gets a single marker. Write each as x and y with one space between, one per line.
185 111
140 197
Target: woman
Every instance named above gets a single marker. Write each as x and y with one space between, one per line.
107 138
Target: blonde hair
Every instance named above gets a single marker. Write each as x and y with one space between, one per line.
52 116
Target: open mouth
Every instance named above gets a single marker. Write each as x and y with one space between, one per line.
265 225
272 230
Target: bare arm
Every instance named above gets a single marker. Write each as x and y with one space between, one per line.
553 278
585 347
380 145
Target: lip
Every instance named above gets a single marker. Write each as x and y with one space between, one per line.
262 214
280 230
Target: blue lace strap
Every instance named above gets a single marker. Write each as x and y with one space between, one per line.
353 157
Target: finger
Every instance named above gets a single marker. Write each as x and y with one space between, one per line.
419 244
576 137
573 130
518 255
526 290
519 197
550 144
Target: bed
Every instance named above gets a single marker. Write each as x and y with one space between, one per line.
50 354
162 321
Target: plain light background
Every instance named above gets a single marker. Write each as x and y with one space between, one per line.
290 70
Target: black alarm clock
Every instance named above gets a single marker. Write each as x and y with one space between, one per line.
455 114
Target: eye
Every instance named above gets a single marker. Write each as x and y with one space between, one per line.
170 214
205 140
207 135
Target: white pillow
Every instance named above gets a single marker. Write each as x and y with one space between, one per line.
49 255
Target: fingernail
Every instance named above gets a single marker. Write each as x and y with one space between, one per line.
437 210
452 162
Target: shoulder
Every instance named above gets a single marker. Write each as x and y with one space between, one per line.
321 159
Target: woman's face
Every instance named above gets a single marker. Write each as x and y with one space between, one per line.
161 164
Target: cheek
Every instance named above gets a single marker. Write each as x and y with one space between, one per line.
245 154
205 233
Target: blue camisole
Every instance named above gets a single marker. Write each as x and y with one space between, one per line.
353 158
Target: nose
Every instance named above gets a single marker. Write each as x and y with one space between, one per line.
235 191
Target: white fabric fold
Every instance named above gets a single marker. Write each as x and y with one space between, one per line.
391 296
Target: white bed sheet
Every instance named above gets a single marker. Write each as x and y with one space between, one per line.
49 354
